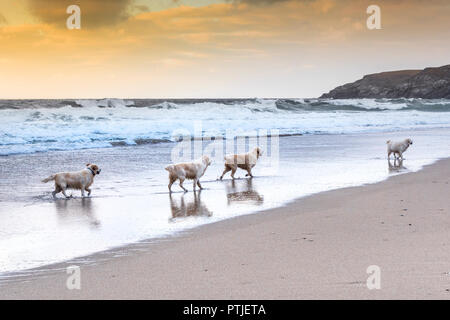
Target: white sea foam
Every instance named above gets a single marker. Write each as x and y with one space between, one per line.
104 123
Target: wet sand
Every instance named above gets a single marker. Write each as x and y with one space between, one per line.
317 247
130 200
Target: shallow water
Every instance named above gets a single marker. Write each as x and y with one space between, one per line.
130 201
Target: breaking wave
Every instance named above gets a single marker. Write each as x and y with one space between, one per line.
44 125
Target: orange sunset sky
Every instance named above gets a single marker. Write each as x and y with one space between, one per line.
211 48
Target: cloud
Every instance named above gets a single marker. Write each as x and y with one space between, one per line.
94 13
267 2
313 45
142 8
3 20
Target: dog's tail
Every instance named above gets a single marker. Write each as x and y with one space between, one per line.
389 141
52 177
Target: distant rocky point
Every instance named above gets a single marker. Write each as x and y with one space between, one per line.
430 83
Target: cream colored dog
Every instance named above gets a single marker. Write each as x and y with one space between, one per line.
398 148
188 170
245 161
80 180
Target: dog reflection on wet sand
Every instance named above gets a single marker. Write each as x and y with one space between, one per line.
188 208
77 211
244 192
396 166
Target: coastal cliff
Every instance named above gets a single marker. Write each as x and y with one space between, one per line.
430 83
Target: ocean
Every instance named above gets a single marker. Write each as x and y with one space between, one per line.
321 145
28 126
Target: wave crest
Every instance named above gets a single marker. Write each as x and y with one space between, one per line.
43 125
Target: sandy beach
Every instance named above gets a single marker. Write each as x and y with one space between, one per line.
112 117
317 247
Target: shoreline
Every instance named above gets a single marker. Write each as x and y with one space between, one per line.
173 263
110 253
132 204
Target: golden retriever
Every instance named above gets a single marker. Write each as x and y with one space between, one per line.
80 180
188 170
245 161
398 148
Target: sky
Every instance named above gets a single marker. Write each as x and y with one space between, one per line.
211 48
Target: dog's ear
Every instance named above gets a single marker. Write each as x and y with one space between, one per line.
88 164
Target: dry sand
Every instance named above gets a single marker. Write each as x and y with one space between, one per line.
315 248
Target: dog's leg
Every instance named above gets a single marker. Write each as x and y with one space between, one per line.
389 154
57 190
171 181
199 185
249 173
195 184
181 184
82 192
88 191
64 193
227 168
233 171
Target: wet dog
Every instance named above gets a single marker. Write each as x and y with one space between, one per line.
398 148
80 180
245 161
188 170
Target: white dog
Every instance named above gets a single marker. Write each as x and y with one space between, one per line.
188 170
398 148
245 161
80 180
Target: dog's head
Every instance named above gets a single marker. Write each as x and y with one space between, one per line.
206 160
409 141
95 169
258 152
